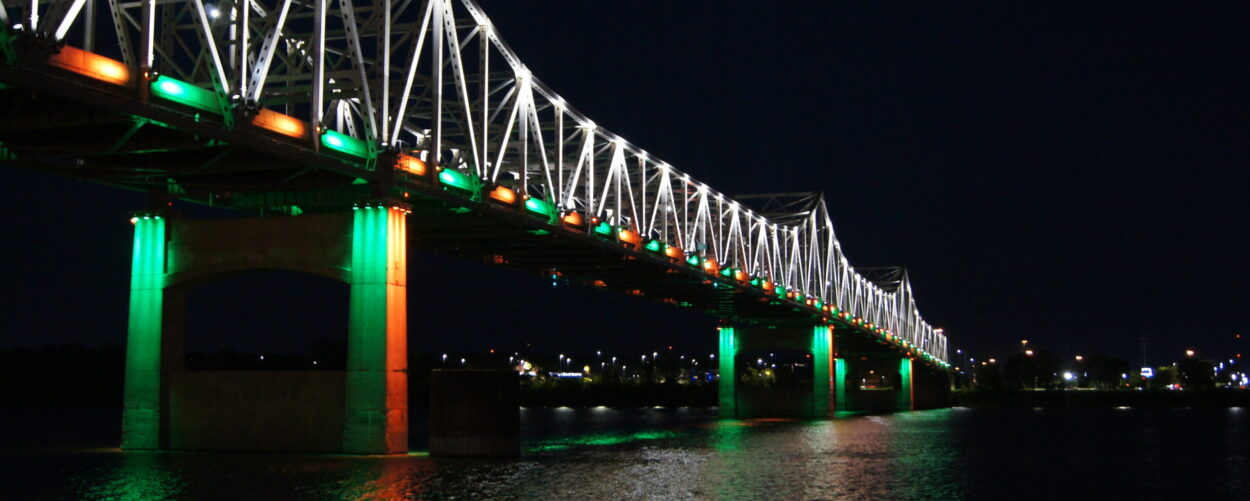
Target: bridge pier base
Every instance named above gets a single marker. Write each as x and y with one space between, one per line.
366 249
899 395
817 402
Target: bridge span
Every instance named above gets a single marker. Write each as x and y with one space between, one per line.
352 129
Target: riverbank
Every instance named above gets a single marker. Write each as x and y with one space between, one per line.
1102 398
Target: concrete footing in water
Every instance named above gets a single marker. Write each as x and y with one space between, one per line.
475 413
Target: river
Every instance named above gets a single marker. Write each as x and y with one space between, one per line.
680 453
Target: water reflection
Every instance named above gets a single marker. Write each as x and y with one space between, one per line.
682 454
137 476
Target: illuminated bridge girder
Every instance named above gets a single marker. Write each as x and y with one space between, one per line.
220 102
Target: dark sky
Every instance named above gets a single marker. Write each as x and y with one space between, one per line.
1072 174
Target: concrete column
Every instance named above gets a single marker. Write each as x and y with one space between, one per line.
376 392
823 399
906 393
141 407
839 385
728 391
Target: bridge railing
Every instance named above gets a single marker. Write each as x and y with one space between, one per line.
434 79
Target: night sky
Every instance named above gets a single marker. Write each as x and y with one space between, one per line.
1071 174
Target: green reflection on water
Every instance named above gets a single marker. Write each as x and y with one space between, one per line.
597 439
139 477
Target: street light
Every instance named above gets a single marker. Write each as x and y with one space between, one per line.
1028 352
1079 358
1189 352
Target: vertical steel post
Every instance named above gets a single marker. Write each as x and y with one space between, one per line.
386 72
437 126
319 71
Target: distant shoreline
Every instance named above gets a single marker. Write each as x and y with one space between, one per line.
1102 398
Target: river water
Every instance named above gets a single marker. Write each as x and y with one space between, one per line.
682 453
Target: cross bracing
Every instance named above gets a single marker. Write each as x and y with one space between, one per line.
433 79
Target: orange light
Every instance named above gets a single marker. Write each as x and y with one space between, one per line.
768 285
411 164
741 276
282 124
674 252
599 283
92 65
710 265
629 237
574 218
504 195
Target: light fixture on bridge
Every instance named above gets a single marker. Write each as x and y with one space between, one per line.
344 143
711 266
282 124
574 219
655 246
92 65
629 238
603 229
410 164
539 207
186 94
458 181
674 252
503 195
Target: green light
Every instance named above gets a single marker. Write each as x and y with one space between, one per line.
541 207
818 304
727 272
904 392
376 335
839 384
798 296
344 143
694 260
186 94
822 344
458 180
598 439
655 246
756 281
728 398
141 408
603 229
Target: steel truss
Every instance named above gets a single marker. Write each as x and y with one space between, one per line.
434 78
